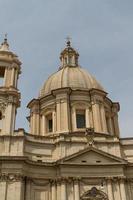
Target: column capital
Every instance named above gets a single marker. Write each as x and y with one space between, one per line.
11 177
76 179
129 180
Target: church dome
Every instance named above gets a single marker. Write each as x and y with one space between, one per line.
70 74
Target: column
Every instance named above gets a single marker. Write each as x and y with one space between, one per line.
28 190
33 123
87 118
109 188
3 190
58 194
91 118
54 121
122 189
58 120
103 120
129 189
116 124
74 125
16 78
9 118
96 117
12 77
131 186
37 121
116 190
53 190
5 78
67 112
70 189
15 191
110 126
43 125
63 190
76 190
19 191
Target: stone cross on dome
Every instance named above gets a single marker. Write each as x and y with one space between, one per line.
68 39
4 46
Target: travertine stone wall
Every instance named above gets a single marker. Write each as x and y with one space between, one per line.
19 188
100 113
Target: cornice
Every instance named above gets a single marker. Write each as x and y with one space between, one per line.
13 158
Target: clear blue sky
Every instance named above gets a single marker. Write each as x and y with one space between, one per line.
101 30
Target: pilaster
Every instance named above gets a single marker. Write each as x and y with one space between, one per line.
63 190
76 189
96 116
110 189
122 189
53 190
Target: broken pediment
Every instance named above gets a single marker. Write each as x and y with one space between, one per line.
92 156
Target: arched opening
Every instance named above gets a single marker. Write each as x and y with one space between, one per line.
94 194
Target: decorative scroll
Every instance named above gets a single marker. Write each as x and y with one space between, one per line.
94 194
3 105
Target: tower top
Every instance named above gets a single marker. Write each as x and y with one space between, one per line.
4 45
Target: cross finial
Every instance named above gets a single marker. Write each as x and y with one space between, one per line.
5 45
5 35
5 39
68 39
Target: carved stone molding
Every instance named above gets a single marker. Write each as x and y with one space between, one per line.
94 194
3 105
96 101
40 182
129 180
89 133
116 179
12 100
11 177
60 180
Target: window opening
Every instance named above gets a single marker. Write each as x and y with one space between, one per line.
49 123
84 161
80 118
107 122
98 161
2 73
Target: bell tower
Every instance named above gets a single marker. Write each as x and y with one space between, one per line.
9 94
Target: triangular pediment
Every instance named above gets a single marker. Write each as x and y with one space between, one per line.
92 156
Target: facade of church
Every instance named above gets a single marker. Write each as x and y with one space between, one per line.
73 150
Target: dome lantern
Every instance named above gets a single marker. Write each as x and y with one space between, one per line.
69 56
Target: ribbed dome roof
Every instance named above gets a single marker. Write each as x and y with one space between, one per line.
73 77
70 74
